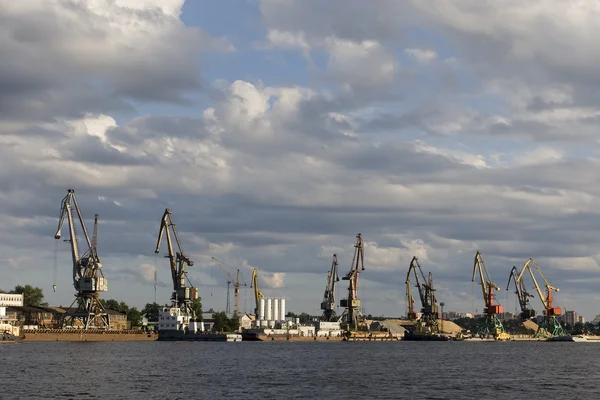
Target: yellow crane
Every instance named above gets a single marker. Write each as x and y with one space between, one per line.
257 293
236 287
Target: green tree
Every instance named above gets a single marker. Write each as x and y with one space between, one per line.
32 296
151 311
224 324
304 318
134 316
197 308
291 315
220 322
111 304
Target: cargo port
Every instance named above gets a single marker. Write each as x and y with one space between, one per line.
87 318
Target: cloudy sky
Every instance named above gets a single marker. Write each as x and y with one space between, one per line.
276 130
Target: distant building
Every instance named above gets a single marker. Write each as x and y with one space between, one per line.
581 319
451 315
571 318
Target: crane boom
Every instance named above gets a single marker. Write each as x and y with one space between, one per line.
257 293
328 304
550 325
88 278
352 314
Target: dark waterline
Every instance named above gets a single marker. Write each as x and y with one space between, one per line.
388 370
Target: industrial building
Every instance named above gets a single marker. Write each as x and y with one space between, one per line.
271 313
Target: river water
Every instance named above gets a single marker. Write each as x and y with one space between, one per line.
337 370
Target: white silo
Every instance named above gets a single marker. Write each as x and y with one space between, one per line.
282 309
261 309
276 309
269 310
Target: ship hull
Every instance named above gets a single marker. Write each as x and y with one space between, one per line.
177 336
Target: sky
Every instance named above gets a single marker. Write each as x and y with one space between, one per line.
276 130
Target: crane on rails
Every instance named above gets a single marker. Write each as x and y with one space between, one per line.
182 296
328 304
429 308
352 314
257 293
550 327
492 325
88 278
236 287
527 312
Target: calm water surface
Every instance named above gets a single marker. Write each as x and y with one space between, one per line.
388 370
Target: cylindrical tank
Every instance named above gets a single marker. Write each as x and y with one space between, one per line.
275 309
282 309
269 310
187 292
271 324
261 309
263 323
297 321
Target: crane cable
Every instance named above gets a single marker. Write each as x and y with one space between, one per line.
55 268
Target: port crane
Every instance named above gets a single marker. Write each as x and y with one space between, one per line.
492 325
257 293
88 278
352 314
550 325
236 287
328 304
182 296
527 312
429 308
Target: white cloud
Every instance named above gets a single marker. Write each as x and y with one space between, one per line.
422 56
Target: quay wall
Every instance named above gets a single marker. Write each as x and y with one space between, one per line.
59 335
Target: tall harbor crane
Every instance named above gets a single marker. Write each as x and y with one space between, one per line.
429 308
523 296
88 278
182 296
492 325
549 326
328 304
352 315
257 293
236 287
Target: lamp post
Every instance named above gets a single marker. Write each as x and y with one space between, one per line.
442 304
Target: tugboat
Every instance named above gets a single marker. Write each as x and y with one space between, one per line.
9 334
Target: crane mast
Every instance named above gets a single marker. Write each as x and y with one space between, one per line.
236 287
182 296
352 315
492 325
429 307
527 312
88 279
328 304
550 326
257 293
